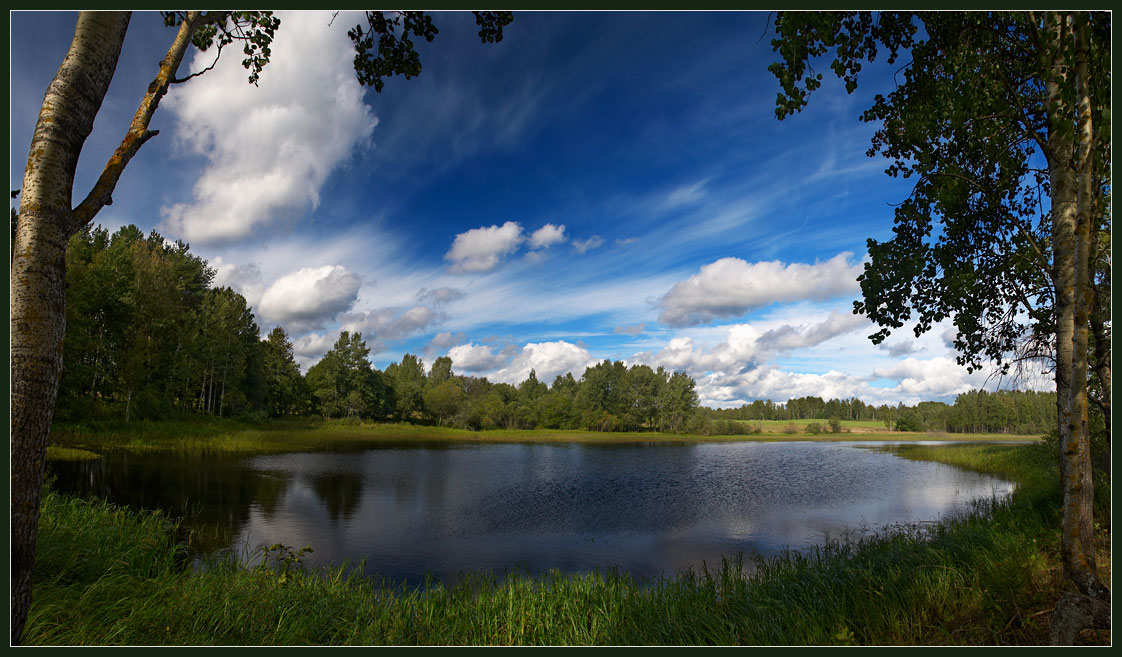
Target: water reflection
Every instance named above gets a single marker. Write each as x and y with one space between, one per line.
447 508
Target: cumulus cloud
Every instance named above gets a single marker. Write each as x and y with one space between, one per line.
309 297
787 337
481 249
546 236
902 347
390 323
444 341
512 364
548 360
582 246
746 346
949 335
268 148
398 322
930 379
309 349
731 287
771 382
246 279
473 357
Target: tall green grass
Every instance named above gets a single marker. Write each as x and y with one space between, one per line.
300 434
109 576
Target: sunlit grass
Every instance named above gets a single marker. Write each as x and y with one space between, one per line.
307 434
55 453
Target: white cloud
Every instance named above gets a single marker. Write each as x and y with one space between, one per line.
481 249
930 379
949 335
901 347
787 337
390 323
548 360
749 346
582 246
268 148
473 357
309 297
245 279
731 287
444 341
547 235
309 349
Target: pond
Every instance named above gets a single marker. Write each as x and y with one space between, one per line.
649 509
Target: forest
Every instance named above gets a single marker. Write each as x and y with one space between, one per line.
149 337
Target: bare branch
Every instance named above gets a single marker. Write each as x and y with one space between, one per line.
195 75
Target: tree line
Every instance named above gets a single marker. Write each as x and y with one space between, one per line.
974 411
149 337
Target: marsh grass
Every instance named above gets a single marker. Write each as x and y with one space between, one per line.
302 434
105 575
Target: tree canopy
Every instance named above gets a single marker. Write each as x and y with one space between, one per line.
1002 121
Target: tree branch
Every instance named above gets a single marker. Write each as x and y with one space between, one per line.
138 134
195 75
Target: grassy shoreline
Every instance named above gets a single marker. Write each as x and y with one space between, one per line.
306 434
106 575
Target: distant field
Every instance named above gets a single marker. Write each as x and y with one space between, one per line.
778 426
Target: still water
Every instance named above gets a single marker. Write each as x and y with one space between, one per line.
648 509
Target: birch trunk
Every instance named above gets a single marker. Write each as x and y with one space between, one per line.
38 272
1072 194
1078 519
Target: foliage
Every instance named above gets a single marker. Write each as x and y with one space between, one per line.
148 337
1002 119
344 383
383 48
976 411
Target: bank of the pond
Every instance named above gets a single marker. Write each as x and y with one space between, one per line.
307 434
109 576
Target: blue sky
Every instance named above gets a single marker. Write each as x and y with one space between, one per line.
608 185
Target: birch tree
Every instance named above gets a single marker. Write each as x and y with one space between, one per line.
1002 120
47 217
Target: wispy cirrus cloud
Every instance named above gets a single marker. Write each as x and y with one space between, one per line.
586 245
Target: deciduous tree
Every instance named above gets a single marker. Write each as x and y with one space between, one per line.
1002 120
47 218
